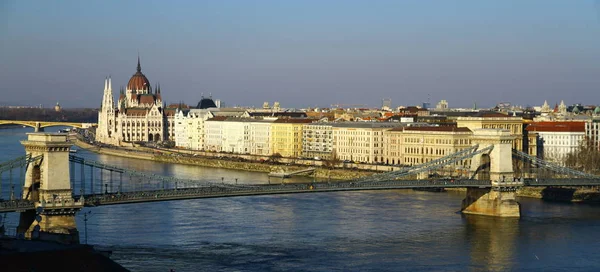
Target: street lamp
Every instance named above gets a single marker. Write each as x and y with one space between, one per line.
85 219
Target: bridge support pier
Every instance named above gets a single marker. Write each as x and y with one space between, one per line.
47 184
38 127
491 202
57 226
496 166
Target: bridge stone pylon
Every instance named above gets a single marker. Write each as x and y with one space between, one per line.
47 184
500 158
499 200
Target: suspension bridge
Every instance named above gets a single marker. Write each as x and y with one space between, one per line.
48 185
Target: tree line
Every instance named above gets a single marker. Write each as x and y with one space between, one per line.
50 115
586 158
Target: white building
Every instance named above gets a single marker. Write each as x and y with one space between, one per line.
592 129
213 134
189 128
317 140
260 137
238 135
557 139
235 135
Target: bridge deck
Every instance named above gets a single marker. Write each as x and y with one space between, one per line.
250 190
255 190
208 192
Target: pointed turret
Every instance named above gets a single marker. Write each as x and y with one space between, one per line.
545 107
109 84
105 83
139 67
562 108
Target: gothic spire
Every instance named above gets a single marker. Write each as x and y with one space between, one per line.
139 67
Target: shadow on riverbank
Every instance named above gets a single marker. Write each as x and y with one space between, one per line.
562 194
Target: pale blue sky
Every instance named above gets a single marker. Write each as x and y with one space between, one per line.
303 53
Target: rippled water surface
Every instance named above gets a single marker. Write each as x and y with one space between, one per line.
395 230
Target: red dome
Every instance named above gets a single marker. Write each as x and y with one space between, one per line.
138 81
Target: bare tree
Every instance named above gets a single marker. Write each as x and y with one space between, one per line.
332 161
586 158
275 157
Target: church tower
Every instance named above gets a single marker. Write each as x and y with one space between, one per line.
106 116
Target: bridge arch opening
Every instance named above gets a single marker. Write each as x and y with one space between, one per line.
483 171
33 192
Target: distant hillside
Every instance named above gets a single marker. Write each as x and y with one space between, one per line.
37 114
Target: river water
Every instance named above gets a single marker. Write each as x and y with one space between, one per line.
395 230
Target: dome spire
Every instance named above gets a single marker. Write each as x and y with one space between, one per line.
139 67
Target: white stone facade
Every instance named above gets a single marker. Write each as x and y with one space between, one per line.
189 128
260 137
556 145
317 140
213 138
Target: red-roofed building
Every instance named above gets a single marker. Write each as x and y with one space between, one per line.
557 139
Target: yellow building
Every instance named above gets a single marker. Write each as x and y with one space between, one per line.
418 145
501 121
360 141
286 137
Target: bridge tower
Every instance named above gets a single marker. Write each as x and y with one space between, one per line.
47 184
496 166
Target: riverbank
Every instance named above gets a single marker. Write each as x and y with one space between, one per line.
173 157
562 194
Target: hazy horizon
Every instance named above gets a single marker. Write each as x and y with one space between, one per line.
303 53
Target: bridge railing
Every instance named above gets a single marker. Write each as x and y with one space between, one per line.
157 195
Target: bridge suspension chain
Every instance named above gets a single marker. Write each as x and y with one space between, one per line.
431 165
451 160
173 182
551 166
18 162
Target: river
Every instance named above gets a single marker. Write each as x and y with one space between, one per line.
395 230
